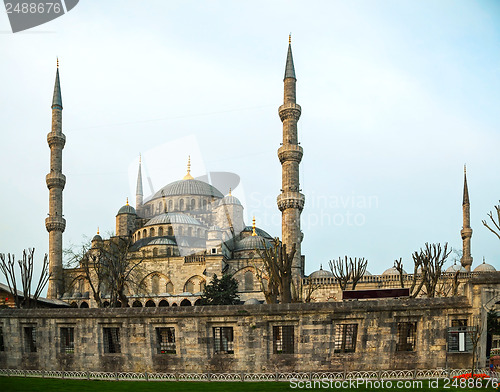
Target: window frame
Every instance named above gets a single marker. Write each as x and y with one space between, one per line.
345 336
170 345
64 339
107 332
283 339
30 342
223 339
406 336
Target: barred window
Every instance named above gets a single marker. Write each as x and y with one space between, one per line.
459 322
166 340
283 339
30 339
407 334
345 338
111 340
2 347
67 340
223 340
459 339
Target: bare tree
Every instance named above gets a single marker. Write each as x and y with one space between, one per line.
7 266
278 265
418 277
348 270
495 229
475 336
268 285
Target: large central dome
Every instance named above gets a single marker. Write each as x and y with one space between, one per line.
188 187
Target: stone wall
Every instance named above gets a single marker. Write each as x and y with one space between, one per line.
254 344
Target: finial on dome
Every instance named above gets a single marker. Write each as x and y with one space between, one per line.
484 262
254 234
188 176
229 191
127 200
290 39
321 266
97 230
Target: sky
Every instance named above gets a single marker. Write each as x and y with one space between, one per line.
396 97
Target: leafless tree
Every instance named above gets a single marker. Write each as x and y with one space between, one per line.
7 266
268 285
418 277
310 289
475 336
495 229
348 270
278 266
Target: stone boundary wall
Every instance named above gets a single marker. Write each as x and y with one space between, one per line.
254 347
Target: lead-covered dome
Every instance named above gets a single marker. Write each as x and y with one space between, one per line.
126 209
172 217
321 273
252 242
228 200
485 267
259 232
454 268
392 271
188 187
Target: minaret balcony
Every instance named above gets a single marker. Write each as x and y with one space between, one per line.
290 152
55 223
56 139
291 200
55 180
289 110
466 233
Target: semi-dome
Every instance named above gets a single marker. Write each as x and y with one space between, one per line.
485 267
126 209
172 217
251 243
228 200
259 232
252 301
188 187
454 268
321 273
392 271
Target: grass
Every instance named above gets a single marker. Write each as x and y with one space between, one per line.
21 384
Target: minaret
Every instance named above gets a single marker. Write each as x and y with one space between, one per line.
55 223
138 190
291 201
466 231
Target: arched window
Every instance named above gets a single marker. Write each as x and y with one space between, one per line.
189 287
144 233
160 232
190 231
163 303
155 252
181 204
155 284
138 235
160 207
185 302
248 281
193 204
150 304
169 288
170 205
204 204
137 304
179 231
170 230
151 232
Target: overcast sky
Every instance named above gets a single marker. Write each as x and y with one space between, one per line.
396 96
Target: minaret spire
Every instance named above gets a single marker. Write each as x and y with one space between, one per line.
466 231
138 190
291 201
55 223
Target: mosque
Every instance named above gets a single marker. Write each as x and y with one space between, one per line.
189 230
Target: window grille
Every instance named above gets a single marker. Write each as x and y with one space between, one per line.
111 340
345 338
166 340
407 334
30 339
459 339
223 340
283 339
67 340
2 347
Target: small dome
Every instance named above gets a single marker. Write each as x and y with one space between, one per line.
454 268
97 237
367 273
321 273
252 301
251 243
485 267
126 209
260 232
188 187
392 271
229 199
172 217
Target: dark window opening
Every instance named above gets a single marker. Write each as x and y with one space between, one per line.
2 347
345 338
30 339
459 322
223 340
407 336
283 339
67 340
459 339
166 340
111 340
